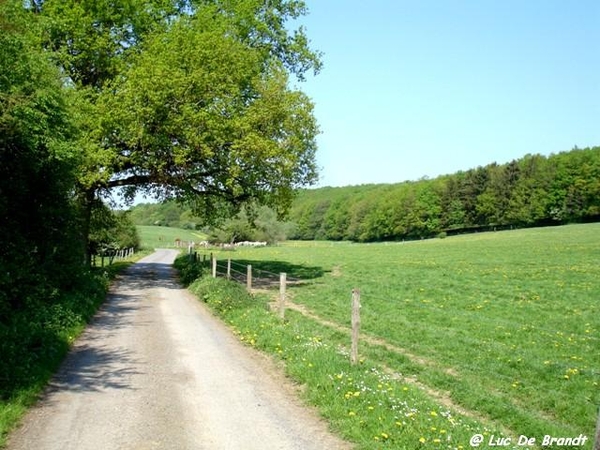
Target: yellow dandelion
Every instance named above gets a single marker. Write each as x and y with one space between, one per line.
422 440
433 414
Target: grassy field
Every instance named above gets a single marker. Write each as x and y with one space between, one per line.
164 237
501 328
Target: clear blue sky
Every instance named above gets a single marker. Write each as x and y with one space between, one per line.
423 88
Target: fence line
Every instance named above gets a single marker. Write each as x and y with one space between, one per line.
281 303
252 276
112 255
262 271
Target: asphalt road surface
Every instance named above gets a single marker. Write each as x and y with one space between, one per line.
154 370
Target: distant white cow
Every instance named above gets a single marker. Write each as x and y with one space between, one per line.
250 244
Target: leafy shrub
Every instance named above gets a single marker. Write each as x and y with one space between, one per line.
189 271
221 295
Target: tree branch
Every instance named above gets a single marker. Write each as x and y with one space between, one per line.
133 180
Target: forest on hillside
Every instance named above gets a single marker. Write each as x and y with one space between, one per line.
534 190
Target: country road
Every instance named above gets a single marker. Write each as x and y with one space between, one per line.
154 370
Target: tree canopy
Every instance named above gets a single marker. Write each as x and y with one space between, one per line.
185 99
190 99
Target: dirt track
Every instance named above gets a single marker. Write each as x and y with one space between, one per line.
155 370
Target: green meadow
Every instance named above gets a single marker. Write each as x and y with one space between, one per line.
153 237
500 328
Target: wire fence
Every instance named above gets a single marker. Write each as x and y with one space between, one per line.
259 278
254 277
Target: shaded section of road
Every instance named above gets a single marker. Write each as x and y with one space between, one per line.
155 370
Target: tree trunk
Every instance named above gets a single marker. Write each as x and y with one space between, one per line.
87 200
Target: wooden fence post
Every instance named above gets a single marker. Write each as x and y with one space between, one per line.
214 267
249 278
282 283
355 325
228 268
597 439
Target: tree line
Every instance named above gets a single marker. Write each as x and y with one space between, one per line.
533 190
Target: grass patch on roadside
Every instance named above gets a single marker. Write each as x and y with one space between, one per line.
35 340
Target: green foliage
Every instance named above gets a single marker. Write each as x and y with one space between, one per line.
221 295
250 224
111 230
166 214
187 99
256 225
39 229
534 190
188 269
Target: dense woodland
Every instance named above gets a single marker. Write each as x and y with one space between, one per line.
532 191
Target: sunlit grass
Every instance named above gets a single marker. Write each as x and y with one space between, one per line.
505 323
152 237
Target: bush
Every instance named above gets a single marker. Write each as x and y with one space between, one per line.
189 271
221 295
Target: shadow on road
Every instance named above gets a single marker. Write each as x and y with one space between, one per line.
149 275
93 368
92 365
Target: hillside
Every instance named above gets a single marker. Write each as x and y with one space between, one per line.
535 190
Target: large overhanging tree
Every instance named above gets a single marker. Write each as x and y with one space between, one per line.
190 99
